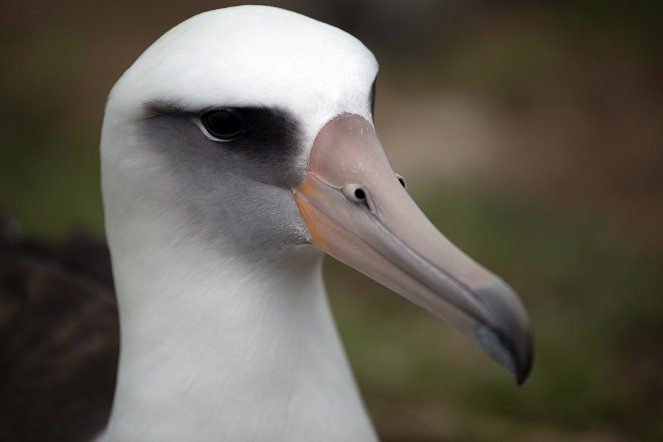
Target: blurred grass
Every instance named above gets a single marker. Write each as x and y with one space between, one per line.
594 300
59 185
594 296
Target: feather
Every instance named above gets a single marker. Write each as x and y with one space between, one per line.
59 337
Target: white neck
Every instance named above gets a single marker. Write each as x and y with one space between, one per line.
224 348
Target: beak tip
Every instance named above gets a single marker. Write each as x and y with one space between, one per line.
515 358
508 337
525 367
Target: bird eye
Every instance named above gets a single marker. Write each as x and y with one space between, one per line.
223 125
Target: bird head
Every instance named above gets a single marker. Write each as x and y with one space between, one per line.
252 128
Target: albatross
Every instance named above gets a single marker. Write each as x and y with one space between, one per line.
236 151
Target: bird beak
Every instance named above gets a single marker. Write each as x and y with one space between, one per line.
357 210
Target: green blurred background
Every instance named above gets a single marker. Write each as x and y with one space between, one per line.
531 132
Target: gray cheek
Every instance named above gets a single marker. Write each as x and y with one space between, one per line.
233 200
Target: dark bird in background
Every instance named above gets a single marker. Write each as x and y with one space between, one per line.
59 337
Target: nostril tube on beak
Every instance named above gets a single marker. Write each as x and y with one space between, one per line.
357 194
360 194
401 180
354 192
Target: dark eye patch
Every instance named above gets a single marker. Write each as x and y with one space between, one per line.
268 133
267 146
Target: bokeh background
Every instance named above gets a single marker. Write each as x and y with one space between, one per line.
531 132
